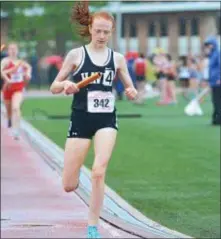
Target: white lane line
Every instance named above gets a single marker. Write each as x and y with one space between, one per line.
110 229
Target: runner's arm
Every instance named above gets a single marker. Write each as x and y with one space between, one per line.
124 75
28 69
123 72
4 72
58 84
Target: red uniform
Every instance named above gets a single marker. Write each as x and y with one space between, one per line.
140 66
17 81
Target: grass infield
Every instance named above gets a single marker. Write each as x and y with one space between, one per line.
165 164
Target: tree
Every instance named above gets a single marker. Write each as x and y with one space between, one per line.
54 23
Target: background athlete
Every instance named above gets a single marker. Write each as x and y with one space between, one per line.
16 74
93 107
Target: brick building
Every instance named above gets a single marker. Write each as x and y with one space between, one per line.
178 27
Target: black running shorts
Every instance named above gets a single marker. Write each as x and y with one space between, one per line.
85 125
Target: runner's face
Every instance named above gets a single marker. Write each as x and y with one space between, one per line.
13 50
101 30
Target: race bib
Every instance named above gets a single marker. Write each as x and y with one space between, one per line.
17 76
100 102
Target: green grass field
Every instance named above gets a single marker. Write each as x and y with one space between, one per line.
167 165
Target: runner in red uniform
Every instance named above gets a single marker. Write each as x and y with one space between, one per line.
16 74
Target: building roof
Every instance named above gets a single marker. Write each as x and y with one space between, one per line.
161 7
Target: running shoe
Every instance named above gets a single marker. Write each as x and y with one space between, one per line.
15 134
92 232
9 123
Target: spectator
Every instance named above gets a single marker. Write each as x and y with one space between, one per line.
211 49
119 87
204 71
52 72
160 61
184 75
171 78
140 66
34 65
194 77
130 66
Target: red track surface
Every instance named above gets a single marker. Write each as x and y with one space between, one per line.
33 204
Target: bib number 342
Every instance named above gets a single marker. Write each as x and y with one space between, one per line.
100 102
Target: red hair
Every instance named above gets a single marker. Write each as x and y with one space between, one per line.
81 15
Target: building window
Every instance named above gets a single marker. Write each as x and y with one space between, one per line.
182 27
163 27
123 26
152 29
133 29
194 26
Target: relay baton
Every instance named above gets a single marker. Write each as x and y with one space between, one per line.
88 80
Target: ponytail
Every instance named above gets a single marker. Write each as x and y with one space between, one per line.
81 15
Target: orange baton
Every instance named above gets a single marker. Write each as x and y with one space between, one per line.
88 80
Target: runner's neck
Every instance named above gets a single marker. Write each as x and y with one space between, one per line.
93 47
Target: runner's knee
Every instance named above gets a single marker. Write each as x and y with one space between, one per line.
15 109
99 170
70 187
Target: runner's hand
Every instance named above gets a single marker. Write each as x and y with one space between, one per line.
6 85
70 88
27 77
131 93
8 82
